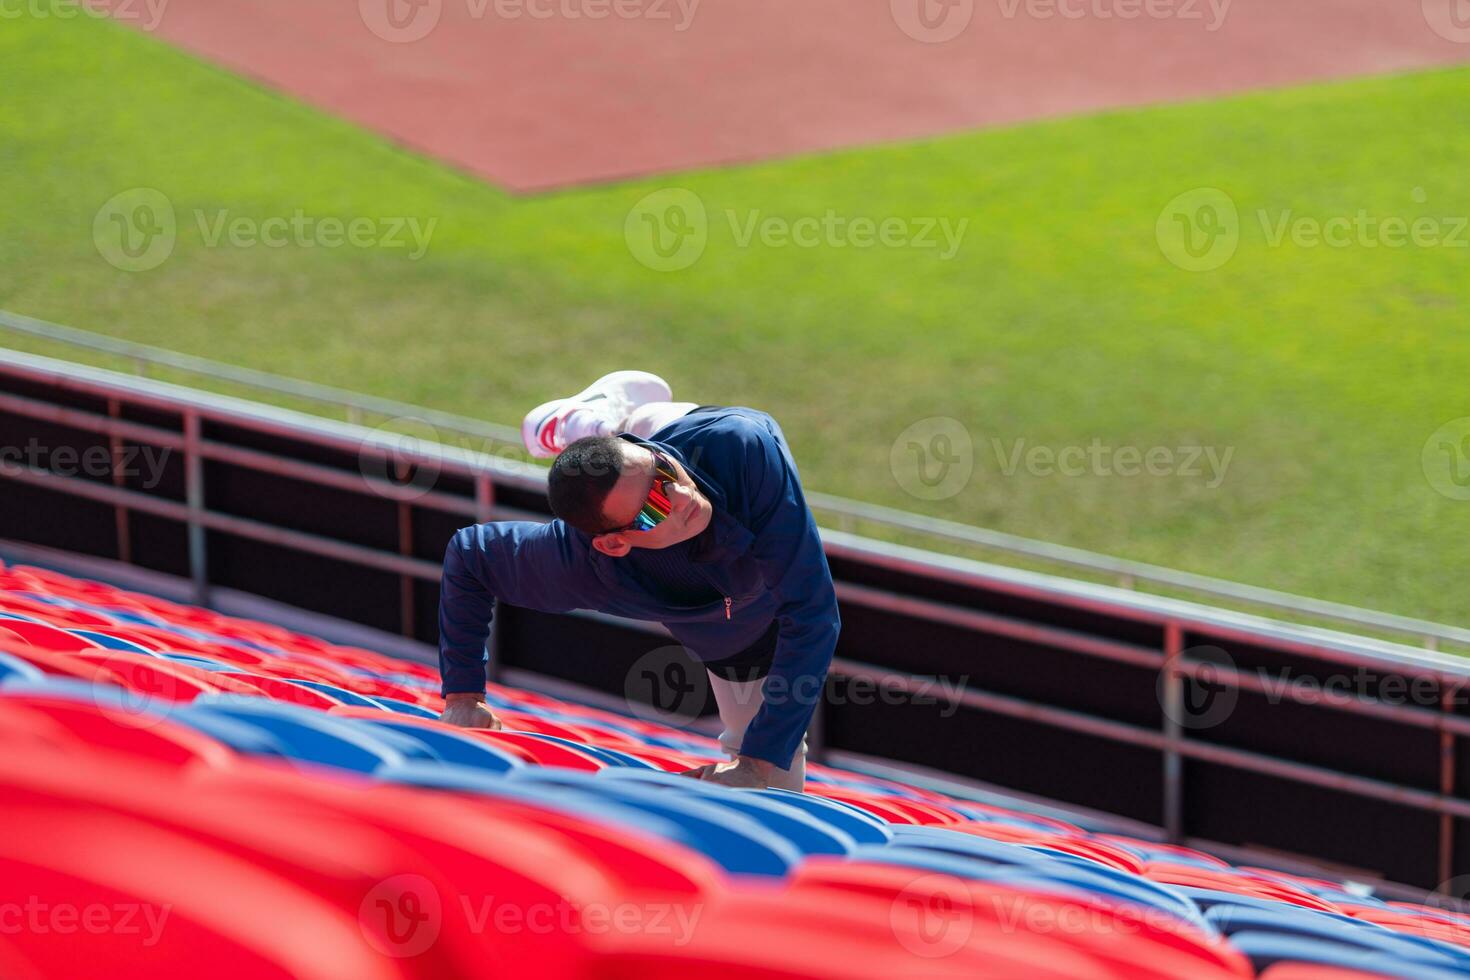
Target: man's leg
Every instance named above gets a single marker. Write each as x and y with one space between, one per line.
645 420
738 702
601 409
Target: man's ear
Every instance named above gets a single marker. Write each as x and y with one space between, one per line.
613 545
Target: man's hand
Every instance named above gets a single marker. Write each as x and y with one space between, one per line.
745 772
468 711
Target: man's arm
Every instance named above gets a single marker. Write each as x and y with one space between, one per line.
524 564
466 608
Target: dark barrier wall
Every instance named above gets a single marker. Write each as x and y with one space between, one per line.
1212 725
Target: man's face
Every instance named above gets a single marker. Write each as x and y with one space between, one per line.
689 510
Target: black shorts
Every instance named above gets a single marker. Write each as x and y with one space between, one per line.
750 664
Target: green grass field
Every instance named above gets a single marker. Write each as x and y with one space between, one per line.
1058 322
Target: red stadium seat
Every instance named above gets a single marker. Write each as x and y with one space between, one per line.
541 752
43 636
1235 882
279 689
163 680
86 727
1313 971
1088 847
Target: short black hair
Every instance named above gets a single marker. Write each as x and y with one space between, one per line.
580 480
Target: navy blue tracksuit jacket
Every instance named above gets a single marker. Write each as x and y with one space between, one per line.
761 557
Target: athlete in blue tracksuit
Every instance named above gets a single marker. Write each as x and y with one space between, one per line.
702 526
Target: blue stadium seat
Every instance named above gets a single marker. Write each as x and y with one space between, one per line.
735 842
809 833
341 694
451 747
306 735
1265 949
110 642
15 669
1306 923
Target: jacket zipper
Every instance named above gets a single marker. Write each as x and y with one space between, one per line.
728 600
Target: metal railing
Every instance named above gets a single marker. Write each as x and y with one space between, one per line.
850 514
1171 661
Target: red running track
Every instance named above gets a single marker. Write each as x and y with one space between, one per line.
537 94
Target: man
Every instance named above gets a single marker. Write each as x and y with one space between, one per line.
671 512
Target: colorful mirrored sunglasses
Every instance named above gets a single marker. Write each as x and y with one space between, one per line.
656 507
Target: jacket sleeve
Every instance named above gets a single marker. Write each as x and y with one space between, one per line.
521 563
789 552
466 606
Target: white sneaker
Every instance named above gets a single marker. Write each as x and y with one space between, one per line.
598 410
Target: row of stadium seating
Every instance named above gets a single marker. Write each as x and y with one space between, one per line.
185 791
